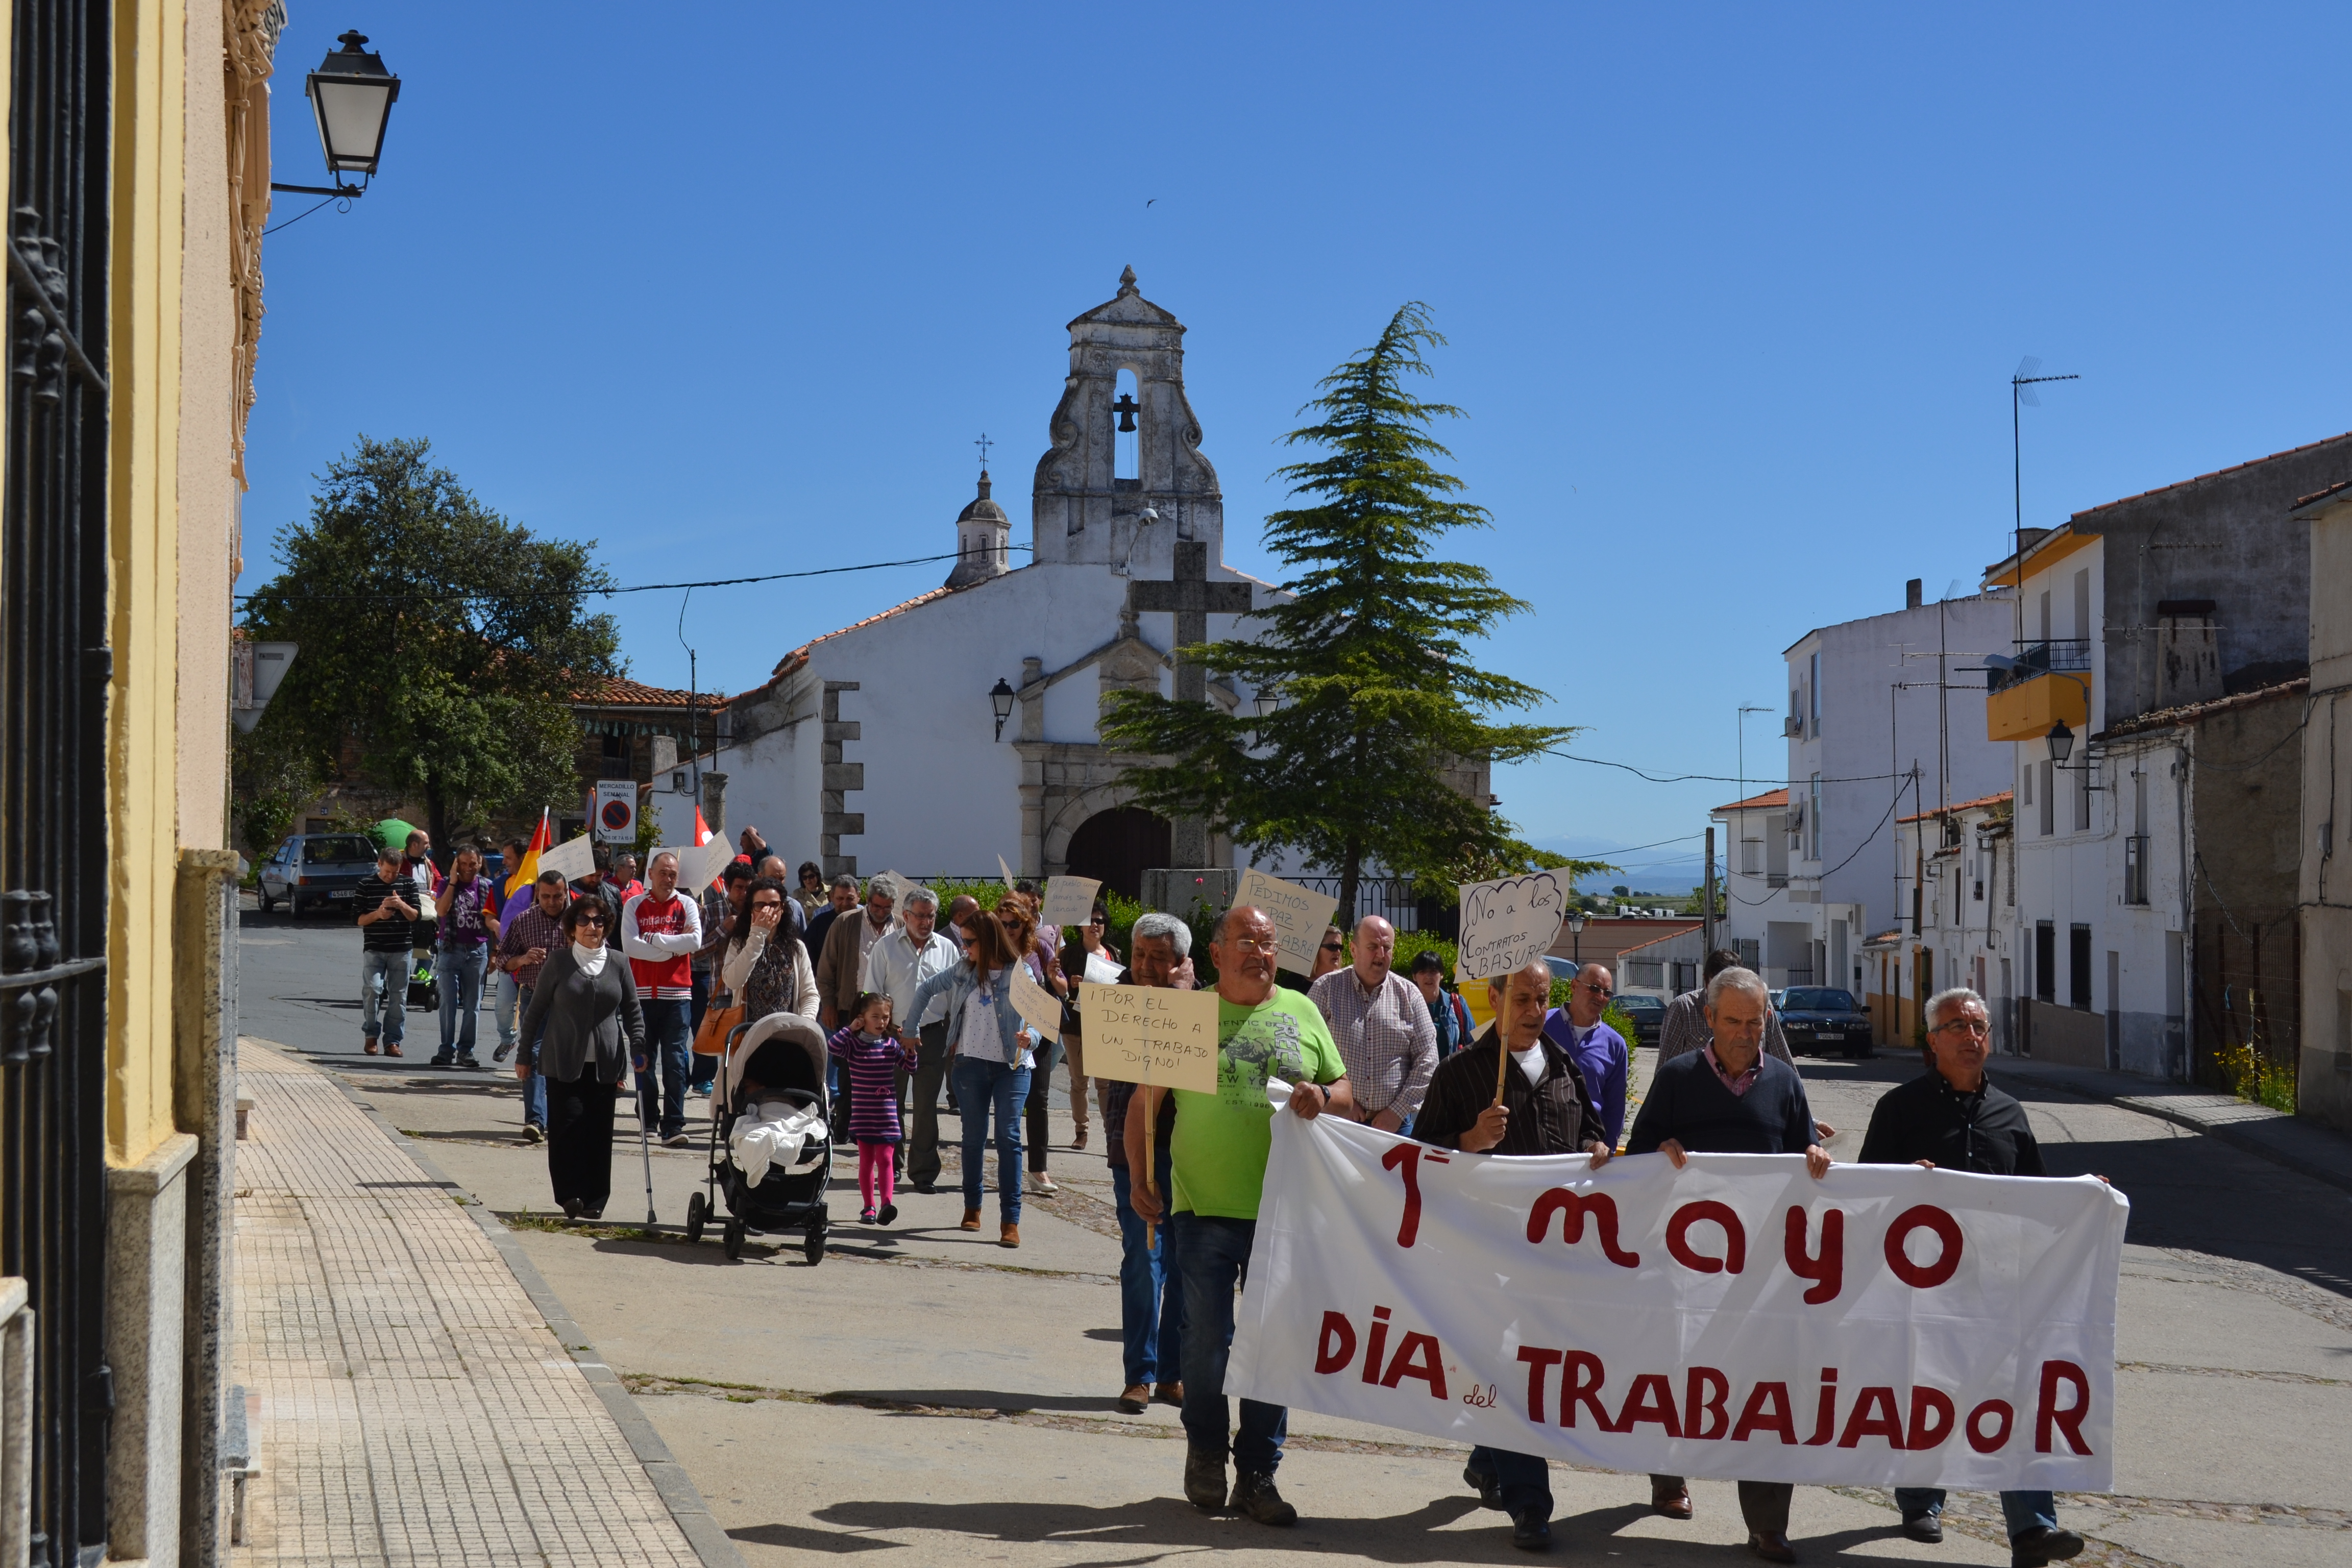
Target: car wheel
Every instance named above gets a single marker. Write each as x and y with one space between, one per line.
1859 1053
269 905
294 906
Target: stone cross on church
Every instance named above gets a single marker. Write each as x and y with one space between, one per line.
1193 598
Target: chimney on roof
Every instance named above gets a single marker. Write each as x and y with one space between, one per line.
1913 594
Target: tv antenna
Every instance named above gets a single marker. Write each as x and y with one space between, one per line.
2022 395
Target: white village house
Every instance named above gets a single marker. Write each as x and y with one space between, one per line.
880 746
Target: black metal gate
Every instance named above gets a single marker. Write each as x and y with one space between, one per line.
54 668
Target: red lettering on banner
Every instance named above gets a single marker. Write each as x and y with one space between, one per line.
1767 1410
1703 1392
1572 1209
1376 1344
1735 1258
1982 1442
1825 1416
2068 1418
1406 1159
1828 1270
1931 1418
1927 1277
1652 1398
1575 1391
1539 1364
1418 1357
1328 1358
1875 1415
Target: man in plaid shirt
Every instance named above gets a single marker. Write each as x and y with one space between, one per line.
1382 1028
530 937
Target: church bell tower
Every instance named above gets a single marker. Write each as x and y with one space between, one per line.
983 541
1082 510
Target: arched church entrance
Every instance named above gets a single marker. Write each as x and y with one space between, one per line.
1116 847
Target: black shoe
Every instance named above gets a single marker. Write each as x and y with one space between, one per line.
1925 1527
1529 1533
927 1188
1255 1496
442 1060
467 1064
503 1052
572 1208
597 1213
889 1212
1204 1478
1489 1488
2042 1545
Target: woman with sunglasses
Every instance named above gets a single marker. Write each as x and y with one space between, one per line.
765 967
993 1054
583 1031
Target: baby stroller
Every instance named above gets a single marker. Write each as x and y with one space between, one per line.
784 1054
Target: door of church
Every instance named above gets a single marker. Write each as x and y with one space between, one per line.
1116 847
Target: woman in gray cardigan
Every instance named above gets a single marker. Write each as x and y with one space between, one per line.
584 1030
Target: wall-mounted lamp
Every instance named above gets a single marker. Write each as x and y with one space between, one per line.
351 97
1000 699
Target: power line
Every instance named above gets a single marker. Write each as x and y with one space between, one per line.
1714 778
631 588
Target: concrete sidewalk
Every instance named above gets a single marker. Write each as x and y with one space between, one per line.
410 1400
2299 1145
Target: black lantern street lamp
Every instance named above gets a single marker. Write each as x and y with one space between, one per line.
2062 743
1576 937
351 97
1269 700
1000 697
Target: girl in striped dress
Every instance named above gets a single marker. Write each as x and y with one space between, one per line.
874 1058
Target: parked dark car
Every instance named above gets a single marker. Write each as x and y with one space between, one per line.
1649 1014
314 870
1817 1017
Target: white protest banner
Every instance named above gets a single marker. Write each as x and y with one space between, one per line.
1508 924
697 865
1150 1034
1007 871
1068 901
1884 1325
575 858
1039 1007
1301 916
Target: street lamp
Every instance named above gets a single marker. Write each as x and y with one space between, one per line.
350 96
1268 700
2062 743
1000 697
1575 937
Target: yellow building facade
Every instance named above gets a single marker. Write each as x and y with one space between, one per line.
138 175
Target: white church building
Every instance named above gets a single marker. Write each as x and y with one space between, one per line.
880 746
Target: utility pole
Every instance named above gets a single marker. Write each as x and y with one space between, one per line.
1706 907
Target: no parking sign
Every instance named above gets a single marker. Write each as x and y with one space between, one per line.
616 811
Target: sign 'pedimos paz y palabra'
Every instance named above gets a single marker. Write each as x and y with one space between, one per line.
1884 1325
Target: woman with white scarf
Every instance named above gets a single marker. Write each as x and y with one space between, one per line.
583 1031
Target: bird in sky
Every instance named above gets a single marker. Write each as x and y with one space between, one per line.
1153 199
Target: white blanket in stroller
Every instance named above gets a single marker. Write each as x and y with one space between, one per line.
771 1133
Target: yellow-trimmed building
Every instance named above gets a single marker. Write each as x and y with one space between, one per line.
138 176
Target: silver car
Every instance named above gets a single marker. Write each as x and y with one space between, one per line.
311 870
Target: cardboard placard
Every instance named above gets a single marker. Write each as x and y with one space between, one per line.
1509 924
697 865
1149 1034
1038 1007
575 858
1069 901
1301 916
1007 871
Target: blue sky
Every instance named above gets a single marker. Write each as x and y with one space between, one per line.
1733 294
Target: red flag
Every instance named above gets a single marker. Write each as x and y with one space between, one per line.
541 837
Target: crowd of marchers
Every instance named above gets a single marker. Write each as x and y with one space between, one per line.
608 978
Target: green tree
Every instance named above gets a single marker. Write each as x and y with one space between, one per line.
272 774
439 641
1378 694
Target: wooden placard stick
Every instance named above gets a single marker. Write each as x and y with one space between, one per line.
1150 1160
1502 1048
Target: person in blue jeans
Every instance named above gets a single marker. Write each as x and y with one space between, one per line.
1150 1291
1217 1177
461 950
531 934
385 907
993 1054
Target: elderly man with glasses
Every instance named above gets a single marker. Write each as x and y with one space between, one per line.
1600 1052
1381 1025
1949 1118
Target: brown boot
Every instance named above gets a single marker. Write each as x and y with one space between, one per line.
1672 1500
971 1220
1170 1394
1009 1236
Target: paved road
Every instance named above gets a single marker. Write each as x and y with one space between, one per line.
924 1391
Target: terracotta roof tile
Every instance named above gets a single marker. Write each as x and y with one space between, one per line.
620 692
2191 712
1957 805
1756 802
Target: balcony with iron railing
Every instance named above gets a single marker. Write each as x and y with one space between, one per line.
2047 683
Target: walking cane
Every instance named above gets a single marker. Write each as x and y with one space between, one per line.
645 1146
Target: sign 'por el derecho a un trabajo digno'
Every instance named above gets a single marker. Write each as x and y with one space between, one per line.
1884 1325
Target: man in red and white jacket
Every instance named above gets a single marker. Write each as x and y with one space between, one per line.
660 931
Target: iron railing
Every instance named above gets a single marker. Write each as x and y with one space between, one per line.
2039 659
55 668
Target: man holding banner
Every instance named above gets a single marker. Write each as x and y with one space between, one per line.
1217 1177
1951 1119
1730 1097
1554 1115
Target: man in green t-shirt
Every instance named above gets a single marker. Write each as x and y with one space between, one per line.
1217 1173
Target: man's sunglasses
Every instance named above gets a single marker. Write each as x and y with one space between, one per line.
1595 990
